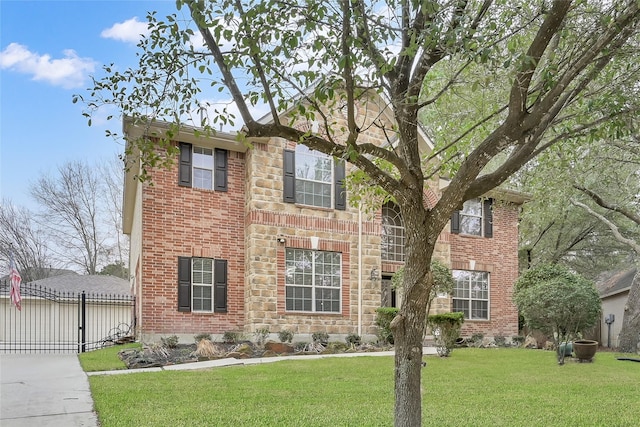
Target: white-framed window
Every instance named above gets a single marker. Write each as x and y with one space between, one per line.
471 294
393 235
471 217
314 177
203 168
202 284
313 280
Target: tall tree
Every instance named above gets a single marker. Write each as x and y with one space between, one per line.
614 200
111 173
22 237
71 212
554 70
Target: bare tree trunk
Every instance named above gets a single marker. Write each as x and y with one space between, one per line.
630 332
408 330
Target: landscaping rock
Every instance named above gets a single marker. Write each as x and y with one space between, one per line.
278 347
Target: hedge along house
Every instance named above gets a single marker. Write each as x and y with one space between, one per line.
245 236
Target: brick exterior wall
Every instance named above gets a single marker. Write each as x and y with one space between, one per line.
190 222
243 225
499 257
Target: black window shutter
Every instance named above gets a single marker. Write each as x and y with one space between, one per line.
488 217
220 286
340 191
289 176
455 222
220 178
184 174
184 284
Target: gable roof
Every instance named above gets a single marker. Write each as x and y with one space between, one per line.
618 283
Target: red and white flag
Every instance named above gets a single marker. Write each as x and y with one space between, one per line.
14 293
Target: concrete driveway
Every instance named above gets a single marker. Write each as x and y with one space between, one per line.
44 390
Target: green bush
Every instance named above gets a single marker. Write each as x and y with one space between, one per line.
260 335
169 342
557 302
353 339
320 338
500 340
384 316
231 337
285 335
518 340
446 327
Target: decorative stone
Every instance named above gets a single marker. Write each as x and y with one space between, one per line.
279 347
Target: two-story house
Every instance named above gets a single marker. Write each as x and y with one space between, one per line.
239 237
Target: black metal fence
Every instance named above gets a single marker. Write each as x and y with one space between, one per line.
54 321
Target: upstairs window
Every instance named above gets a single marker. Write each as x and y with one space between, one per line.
314 179
393 236
313 281
475 218
204 168
471 294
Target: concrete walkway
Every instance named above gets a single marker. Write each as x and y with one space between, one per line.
44 390
252 361
52 390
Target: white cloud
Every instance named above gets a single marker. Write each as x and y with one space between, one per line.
129 31
71 71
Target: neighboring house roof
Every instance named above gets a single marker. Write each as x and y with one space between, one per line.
45 272
76 283
617 283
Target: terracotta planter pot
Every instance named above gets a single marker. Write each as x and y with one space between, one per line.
585 349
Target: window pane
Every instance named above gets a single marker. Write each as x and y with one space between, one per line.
202 178
471 217
202 298
203 168
393 237
314 177
313 280
471 293
470 225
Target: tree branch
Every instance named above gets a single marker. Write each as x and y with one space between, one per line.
614 229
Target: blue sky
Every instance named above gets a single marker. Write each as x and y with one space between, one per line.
48 51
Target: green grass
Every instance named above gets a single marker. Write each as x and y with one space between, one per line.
473 387
105 359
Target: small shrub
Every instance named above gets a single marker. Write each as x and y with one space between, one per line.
320 338
518 340
384 316
169 342
285 335
476 339
231 337
500 340
203 336
353 339
206 348
260 335
446 328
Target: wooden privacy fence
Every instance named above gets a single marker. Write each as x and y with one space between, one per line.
63 322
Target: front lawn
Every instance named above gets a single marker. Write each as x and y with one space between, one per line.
473 387
105 359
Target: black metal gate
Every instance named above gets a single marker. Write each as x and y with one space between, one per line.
63 322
